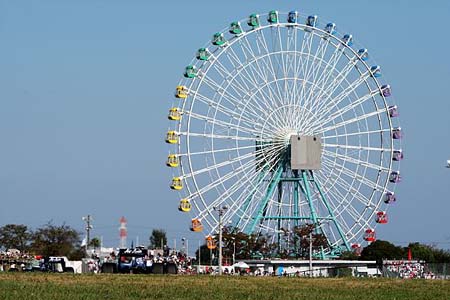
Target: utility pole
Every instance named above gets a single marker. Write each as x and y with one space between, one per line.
88 220
310 254
221 211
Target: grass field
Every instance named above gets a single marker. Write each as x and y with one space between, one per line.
108 286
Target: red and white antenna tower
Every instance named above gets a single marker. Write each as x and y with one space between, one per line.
123 233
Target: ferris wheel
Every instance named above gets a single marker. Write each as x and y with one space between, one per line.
284 122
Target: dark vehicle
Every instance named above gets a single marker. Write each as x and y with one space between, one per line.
133 261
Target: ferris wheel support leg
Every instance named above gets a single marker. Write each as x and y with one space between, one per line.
330 212
247 201
307 191
265 200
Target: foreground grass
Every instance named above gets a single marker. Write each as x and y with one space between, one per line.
36 286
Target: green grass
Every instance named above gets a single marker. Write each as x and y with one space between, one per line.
110 286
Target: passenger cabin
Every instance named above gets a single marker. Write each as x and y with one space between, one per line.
386 90
292 16
347 40
394 177
177 184
172 137
381 217
253 21
235 28
272 17
330 28
390 198
397 133
356 248
210 243
363 54
218 39
203 54
174 114
181 92
375 71
196 225
311 21
172 161
369 235
397 155
190 72
393 111
185 205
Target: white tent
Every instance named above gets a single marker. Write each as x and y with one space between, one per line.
241 265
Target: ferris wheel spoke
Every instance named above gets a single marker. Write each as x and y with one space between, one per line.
340 112
322 81
227 125
351 121
228 111
353 147
242 172
358 177
356 133
333 102
357 162
319 57
348 190
228 162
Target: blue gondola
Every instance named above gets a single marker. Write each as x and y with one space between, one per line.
375 71
331 28
311 21
363 54
347 39
292 16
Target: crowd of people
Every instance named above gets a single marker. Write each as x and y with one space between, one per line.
408 269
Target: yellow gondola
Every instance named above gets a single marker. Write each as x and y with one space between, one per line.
172 161
181 92
174 114
210 242
177 184
172 137
185 205
196 225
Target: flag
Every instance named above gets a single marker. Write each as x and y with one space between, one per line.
84 242
409 254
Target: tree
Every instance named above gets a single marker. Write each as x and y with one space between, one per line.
303 233
158 239
380 250
13 236
52 240
95 243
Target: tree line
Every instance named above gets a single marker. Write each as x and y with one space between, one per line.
62 240
47 240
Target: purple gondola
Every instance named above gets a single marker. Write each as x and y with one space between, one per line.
395 177
390 198
397 155
386 90
397 133
393 111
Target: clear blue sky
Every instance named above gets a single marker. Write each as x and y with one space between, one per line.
85 87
